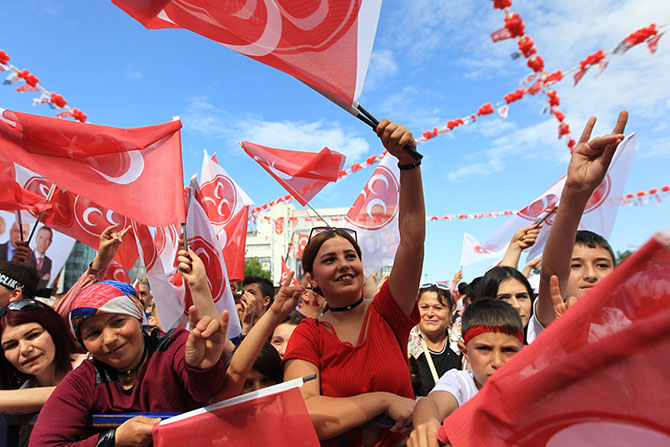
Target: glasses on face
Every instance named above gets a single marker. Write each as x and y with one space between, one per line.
439 285
317 230
25 304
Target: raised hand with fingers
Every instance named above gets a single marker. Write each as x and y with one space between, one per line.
590 159
560 306
286 299
206 341
191 267
395 137
525 237
110 242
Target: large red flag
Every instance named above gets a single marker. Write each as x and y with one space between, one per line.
13 197
109 166
597 376
374 216
78 217
303 174
326 44
274 416
227 207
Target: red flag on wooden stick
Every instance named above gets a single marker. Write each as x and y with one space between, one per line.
596 376
303 174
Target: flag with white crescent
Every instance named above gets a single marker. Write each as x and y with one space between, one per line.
473 251
105 164
325 44
374 216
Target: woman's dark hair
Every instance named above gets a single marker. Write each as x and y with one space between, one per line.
488 287
268 363
294 318
443 296
10 377
315 243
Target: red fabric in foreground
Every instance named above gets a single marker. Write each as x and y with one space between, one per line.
119 169
303 174
278 420
597 376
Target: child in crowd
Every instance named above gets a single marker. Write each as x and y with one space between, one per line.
266 370
492 334
282 333
578 260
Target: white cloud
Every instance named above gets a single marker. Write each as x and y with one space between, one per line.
382 66
209 120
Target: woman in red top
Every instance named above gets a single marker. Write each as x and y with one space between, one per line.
358 348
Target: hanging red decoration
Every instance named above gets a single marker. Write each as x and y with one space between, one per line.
554 77
536 63
526 46
514 25
30 78
486 109
642 34
79 115
58 100
563 129
591 60
515 95
454 123
559 115
502 4
554 100
356 167
3 57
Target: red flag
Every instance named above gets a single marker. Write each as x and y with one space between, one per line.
501 34
653 42
285 272
578 76
13 197
303 174
302 243
326 44
105 164
227 207
116 272
202 239
596 376
27 88
275 416
78 217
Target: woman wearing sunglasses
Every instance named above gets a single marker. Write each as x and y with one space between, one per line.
358 347
36 348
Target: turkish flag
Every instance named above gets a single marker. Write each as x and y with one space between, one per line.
374 216
303 174
13 197
326 44
599 215
78 217
473 251
274 416
227 207
285 272
202 240
105 164
116 272
302 243
501 34
596 376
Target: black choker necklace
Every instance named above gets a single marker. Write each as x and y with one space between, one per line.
126 375
345 308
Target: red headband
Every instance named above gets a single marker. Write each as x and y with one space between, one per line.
479 329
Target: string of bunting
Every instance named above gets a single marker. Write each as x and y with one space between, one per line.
630 199
54 100
540 79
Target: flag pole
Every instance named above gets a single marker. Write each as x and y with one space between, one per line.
290 245
20 223
374 122
319 215
49 197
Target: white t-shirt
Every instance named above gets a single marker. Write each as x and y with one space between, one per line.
460 384
534 326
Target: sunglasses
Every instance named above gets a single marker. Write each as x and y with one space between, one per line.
439 285
24 304
317 230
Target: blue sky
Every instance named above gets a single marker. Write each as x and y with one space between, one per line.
432 61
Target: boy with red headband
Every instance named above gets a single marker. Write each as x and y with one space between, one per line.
492 334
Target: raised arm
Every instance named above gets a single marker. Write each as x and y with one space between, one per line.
522 239
243 359
587 168
408 263
110 242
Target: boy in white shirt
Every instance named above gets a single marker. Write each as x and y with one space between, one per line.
492 334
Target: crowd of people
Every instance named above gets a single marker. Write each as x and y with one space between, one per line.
392 358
